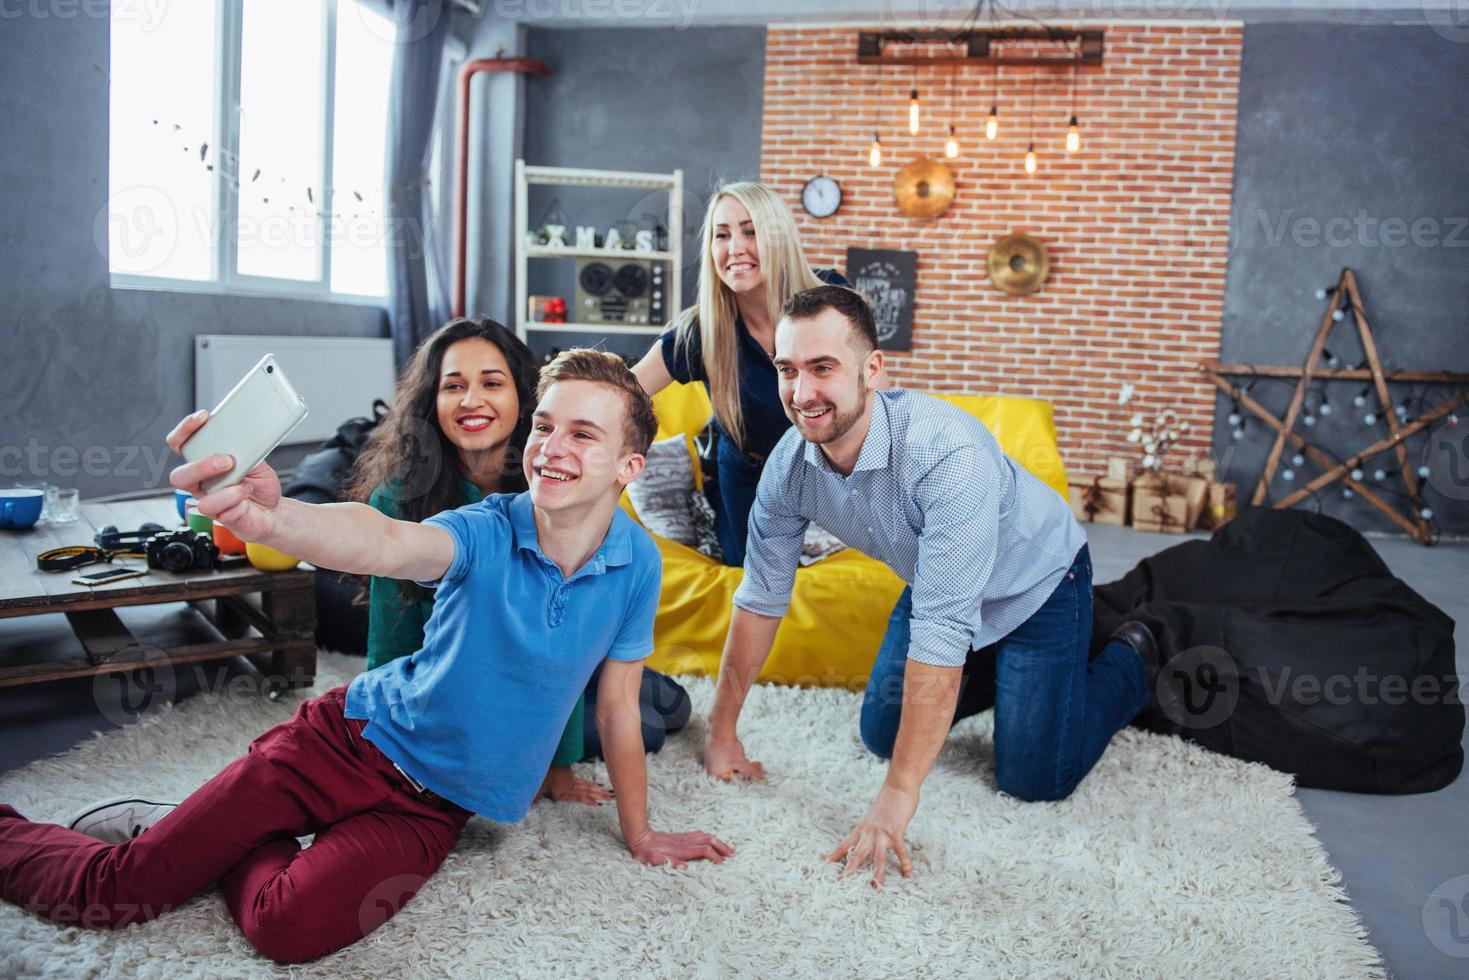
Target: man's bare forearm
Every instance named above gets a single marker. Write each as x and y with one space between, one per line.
746 648
621 726
359 539
929 696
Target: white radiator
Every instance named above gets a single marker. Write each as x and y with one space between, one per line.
338 376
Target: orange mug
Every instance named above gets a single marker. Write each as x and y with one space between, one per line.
227 541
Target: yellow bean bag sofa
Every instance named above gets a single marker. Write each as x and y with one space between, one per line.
840 605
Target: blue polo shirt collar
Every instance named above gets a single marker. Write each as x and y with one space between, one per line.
616 547
877 447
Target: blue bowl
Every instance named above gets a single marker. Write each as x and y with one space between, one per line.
20 507
181 501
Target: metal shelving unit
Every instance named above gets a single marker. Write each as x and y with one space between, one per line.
525 176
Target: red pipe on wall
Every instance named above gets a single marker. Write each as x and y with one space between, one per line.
528 66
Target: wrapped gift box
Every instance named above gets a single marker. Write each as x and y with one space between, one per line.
1167 502
1102 501
1201 466
1220 505
1121 468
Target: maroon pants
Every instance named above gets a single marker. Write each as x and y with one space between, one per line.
377 841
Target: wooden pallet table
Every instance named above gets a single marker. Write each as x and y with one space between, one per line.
268 617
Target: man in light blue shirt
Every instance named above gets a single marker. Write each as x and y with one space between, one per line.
998 610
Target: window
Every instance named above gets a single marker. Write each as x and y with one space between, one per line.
247 147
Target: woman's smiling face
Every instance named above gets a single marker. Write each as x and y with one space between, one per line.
477 403
736 253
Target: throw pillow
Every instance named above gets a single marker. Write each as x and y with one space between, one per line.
661 493
707 539
819 543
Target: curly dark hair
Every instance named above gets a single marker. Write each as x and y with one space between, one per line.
410 452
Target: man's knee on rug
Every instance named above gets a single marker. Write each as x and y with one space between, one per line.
289 919
1032 787
879 732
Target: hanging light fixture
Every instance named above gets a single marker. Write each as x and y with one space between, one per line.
913 112
1030 157
874 152
1073 131
951 148
992 124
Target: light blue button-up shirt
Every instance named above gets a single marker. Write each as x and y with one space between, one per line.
477 713
981 539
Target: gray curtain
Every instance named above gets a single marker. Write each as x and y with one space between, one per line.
418 291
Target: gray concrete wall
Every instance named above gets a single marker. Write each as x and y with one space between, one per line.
645 100
1351 153
92 378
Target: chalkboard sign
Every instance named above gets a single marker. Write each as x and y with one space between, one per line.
887 278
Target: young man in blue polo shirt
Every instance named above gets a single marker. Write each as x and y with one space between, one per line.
387 770
998 610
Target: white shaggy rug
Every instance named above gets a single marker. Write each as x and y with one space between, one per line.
1167 861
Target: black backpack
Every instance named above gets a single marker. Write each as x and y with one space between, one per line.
320 476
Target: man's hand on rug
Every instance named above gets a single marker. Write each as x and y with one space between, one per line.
564 786
652 847
882 830
725 759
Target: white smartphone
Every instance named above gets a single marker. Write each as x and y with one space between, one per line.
250 421
108 575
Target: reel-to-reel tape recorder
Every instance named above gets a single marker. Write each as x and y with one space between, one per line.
632 292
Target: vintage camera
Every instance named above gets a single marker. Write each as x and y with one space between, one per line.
181 551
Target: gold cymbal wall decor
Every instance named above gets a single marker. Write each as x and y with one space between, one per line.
924 188
1136 236
1018 264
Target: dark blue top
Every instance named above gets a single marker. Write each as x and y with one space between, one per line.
764 416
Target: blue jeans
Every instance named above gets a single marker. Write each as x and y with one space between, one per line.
1055 711
738 476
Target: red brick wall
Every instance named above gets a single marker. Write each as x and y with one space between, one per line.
1136 223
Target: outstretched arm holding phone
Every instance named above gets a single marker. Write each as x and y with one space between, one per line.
349 537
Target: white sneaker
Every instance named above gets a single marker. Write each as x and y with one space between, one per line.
119 819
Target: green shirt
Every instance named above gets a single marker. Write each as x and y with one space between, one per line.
395 630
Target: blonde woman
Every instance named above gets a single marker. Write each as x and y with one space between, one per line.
752 263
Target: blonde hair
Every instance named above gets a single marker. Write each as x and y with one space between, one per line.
604 368
785 271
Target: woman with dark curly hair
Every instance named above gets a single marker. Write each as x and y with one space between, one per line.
455 435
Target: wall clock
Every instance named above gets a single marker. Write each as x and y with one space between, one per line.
821 196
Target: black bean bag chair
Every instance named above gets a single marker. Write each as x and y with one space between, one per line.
1292 644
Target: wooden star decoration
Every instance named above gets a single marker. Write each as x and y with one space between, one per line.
1346 298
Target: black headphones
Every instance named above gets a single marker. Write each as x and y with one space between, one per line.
111 543
111 539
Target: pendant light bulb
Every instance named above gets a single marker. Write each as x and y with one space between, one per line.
951 148
874 153
1073 136
1030 160
913 112
992 124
